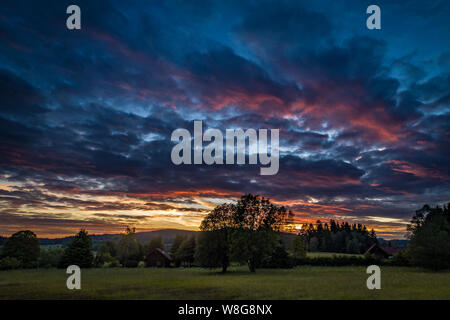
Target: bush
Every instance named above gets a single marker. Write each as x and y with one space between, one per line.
141 264
112 264
131 264
104 258
9 263
50 258
279 259
400 259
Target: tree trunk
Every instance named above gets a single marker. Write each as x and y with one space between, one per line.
224 264
251 265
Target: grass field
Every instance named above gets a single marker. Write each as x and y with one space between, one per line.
298 283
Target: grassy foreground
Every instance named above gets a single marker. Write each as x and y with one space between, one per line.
298 283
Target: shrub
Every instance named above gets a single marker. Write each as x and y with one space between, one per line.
131 264
279 259
112 264
141 264
50 258
400 259
103 258
9 263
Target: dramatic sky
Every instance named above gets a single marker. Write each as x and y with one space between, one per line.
86 115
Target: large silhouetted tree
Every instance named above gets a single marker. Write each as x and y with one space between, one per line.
155 243
177 241
186 251
213 243
78 252
24 246
212 249
245 231
429 233
129 249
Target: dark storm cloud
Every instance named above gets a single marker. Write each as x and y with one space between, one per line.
221 78
19 99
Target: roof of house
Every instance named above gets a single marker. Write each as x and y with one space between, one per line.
165 254
390 251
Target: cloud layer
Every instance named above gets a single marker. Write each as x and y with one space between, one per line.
86 116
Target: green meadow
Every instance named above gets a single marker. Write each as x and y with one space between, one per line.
303 282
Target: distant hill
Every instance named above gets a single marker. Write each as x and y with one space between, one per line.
396 243
167 235
97 239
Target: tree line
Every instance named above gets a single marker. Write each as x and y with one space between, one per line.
246 232
338 237
22 250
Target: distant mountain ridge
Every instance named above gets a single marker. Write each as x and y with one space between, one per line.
396 243
97 239
167 236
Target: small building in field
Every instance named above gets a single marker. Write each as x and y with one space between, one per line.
158 258
384 252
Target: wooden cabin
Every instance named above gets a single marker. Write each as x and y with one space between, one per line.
158 258
383 252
